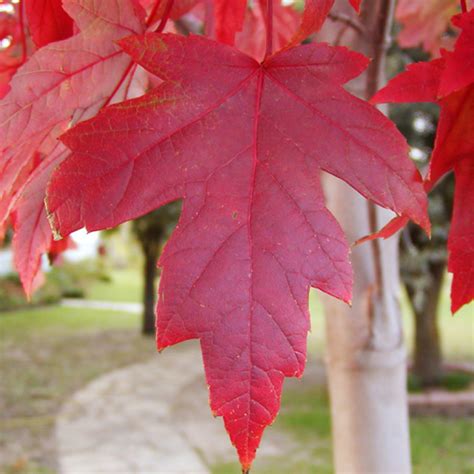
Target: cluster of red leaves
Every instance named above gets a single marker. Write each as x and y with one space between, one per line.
449 81
62 82
240 135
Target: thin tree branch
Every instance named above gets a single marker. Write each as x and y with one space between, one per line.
269 48
381 40
165 17
347 20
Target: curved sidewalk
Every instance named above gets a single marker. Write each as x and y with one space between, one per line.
136 419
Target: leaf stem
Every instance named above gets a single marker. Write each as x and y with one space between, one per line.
153 13
165 17
347 20
119 84
269 49
464 6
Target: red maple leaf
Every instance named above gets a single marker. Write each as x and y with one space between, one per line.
448 81
48 21
243 144
61 83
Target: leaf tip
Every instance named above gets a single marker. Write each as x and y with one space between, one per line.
28 292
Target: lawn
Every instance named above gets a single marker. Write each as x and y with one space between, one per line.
457 332
439 446
48 353
125 286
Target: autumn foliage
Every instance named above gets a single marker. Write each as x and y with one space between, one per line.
109 112
449 81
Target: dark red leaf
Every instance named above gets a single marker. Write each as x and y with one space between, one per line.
459 69
48 21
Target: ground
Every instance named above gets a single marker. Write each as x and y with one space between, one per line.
50 353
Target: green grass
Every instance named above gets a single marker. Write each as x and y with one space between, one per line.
439 446
57 320
452 381
457 332
46 355
125 286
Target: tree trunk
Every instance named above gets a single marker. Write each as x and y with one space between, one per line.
151 252
427 357
366 357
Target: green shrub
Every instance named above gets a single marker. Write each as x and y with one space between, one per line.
66 280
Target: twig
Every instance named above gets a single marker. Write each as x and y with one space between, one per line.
348 21
166 16
376 73
153 13
269 48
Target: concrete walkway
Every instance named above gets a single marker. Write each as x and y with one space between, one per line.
105 305
148 418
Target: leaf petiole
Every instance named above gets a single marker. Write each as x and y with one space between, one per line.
269 21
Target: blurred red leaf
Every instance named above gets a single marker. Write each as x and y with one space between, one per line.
425 23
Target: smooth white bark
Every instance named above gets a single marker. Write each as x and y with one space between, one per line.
366 358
